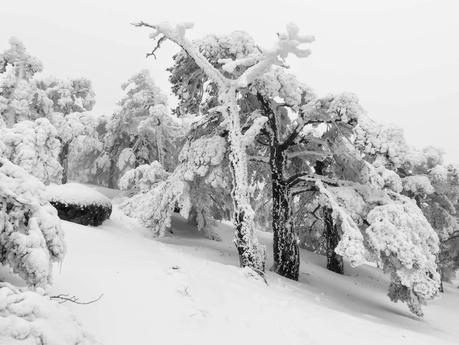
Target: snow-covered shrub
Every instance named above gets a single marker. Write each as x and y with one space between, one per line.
31 238
143 178
34 146
186 187
140 131
79 204
28 317
404 244
390 230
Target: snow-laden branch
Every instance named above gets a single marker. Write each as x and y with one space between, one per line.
308 177
176 34
351 244
288 43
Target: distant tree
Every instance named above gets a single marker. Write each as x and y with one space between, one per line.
23 96
141 131
17 68
66 104
35 147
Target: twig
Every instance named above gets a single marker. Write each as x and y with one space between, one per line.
67 298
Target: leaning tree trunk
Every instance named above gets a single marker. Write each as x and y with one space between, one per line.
250 252
64 161
334 261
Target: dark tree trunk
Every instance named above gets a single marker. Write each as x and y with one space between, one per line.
286 250
64 161
334 261
285 240
441 288
111 175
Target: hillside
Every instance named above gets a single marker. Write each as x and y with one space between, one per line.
185 289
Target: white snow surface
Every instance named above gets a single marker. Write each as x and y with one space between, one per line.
76 193
186 289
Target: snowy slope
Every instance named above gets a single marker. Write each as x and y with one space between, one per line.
185 289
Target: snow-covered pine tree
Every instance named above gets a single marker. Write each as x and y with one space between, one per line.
228 76
34 146
23 96
66 103
30 231
86 163
198 187
397 235
17 68
435 187
141 131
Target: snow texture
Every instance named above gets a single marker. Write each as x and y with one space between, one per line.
29 318
76 193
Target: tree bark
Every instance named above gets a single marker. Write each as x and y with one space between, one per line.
64 161
111 174
334 261
250 253
286 249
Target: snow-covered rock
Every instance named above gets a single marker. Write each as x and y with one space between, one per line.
79 204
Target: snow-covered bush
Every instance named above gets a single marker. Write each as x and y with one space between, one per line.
28 317
187 187
79 204
143 178
31 237
390 230
140 131
404 244
34 146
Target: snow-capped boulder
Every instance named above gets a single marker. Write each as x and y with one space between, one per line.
79 204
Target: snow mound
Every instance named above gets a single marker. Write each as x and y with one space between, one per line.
27 317
75 193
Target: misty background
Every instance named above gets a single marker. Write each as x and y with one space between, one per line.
400 57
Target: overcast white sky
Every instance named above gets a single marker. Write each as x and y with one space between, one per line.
401 57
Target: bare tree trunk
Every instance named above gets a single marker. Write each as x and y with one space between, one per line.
334 261
64 161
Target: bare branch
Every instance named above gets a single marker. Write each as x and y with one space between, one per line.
260 159
177 35
67 298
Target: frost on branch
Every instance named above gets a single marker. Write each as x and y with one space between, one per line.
34 146
351 244
28 317
30 231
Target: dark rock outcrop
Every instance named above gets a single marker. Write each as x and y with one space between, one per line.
90 214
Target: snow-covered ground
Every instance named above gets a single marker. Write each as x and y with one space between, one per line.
186 289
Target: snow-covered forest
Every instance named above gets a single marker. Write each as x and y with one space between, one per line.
240 206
